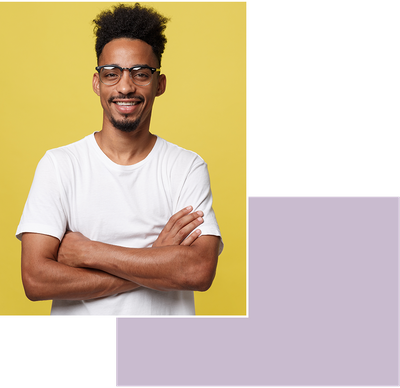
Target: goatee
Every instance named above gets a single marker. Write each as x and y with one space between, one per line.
125 125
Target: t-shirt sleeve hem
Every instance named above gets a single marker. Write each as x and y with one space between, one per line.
40 229
214 233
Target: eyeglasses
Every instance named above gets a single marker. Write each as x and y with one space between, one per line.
140 75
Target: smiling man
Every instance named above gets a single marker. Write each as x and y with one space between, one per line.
111 221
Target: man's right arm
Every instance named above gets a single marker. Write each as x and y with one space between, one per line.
44 278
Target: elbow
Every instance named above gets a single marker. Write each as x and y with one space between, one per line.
204 285
205 281
32 297
202 276
30 287
31 293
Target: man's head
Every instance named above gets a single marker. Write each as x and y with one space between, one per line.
129 37
132 22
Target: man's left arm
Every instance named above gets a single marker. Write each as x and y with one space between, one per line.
175 261
164 268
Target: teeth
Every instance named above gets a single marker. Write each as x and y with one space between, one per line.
124 103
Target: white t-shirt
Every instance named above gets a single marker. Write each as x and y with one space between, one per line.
78 188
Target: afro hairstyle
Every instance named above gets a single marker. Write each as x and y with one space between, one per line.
132 22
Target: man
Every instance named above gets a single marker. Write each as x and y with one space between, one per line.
110 224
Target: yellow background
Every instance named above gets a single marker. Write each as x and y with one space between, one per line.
47 59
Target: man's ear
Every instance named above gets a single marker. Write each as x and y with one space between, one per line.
162 84
96 83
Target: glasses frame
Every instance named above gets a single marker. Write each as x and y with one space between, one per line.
136 67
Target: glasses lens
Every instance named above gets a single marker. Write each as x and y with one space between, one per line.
141 76
110 75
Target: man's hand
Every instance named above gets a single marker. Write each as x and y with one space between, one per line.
72 248
175 232
178 259
178 228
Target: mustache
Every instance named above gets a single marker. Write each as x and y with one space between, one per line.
126 97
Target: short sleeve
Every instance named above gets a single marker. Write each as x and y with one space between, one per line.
195 190
43 212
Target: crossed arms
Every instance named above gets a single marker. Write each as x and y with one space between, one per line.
80 269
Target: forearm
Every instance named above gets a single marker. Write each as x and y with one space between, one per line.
162 268
58 281
178 259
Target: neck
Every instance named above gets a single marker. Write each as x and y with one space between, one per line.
125 148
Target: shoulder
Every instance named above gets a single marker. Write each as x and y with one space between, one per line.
182 166
175 154
71 153
74 148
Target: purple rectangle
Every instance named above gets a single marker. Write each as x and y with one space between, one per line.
323 306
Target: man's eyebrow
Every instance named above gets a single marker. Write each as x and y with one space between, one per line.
135 65
141 64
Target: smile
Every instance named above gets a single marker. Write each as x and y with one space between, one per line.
125 103
127 107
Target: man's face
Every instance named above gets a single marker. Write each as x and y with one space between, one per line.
127 106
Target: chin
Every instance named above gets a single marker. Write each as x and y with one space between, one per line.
125 125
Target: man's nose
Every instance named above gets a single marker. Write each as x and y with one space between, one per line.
125 84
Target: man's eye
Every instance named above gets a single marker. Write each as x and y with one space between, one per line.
110 73
142 75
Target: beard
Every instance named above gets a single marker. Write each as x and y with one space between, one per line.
125 125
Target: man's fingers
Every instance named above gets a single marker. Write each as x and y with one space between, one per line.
180 219
187 229
171 222
191 238
185 221
179 227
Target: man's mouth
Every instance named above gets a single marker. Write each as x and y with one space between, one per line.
127 103
126 100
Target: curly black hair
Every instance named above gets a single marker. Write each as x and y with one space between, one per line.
133 22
